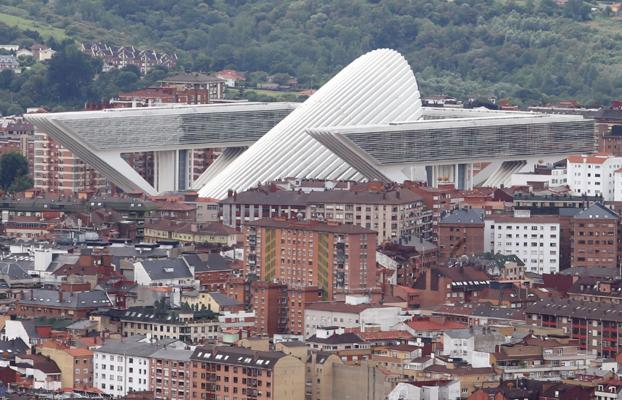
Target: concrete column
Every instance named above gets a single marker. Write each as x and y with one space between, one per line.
165 171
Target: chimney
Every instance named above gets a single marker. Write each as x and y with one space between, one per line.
60 295
32 294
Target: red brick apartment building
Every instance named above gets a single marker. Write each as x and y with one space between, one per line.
598 326
235 372
58 170
171 371
337 259
595 237
461 233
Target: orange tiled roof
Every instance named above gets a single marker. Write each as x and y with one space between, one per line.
428 325
598 158
78 352
367 336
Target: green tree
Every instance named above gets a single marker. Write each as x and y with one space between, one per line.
13 169
70 74
21 183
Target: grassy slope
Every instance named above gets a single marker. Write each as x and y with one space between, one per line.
44 30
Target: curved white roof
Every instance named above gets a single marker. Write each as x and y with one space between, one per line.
376 88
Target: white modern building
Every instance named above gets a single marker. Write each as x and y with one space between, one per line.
595 175
473 345
121 366
350 314
548 176
447 390
535 239
366 123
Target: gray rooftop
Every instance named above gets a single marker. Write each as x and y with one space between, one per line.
174 268
173 354
205 262
465 216
600 272
12 347
223 300
51 298
12 272
596 211
82 324
137 346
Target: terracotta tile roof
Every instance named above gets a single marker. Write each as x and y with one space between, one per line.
597 158
385 335
78 352
428 325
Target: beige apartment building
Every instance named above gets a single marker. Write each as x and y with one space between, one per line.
58 170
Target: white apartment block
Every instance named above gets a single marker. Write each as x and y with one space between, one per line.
534 239
595 175
121 366
558 176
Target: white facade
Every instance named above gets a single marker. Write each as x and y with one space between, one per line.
594 175
117 374
40 379
617 185
464 348
125 366
407 391
557 177
15 330
384 317
535 240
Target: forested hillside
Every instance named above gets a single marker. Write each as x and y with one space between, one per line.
530 51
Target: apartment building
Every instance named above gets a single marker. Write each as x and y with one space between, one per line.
58 170
189 327
595 175
535 239
597 326
460 233
17 136
235 372
170 374
609 390
269 301
595 237
63 303
439 285
393 212
402 263
75 364
544 359
195 88
121 366
436 199
337 259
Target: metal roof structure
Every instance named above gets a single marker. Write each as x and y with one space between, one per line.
366 123
377 88
100 137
